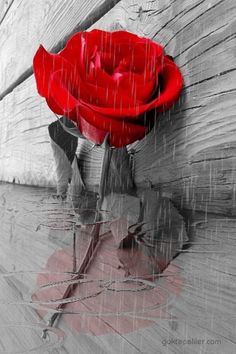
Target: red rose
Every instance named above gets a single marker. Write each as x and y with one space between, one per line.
106 82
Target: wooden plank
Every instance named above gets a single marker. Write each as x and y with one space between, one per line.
20 327
30 246
46 22
37 241
4 8
195 295
25 151
190 154
201 301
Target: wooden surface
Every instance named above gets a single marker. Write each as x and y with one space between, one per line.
4 8
194 299
26 26
195 146
191 153
25 152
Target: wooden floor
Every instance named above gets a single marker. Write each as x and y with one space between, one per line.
193 301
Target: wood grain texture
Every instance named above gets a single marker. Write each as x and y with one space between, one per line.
4 8
25 152
198 286
190 155
46 22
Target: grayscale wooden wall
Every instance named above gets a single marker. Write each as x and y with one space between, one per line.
192 152
190 156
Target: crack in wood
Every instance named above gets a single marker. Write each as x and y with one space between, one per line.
230 37
158 12
210 78
212 159
195 19
6 11
180 14
199 40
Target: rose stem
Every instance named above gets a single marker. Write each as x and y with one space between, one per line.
93 243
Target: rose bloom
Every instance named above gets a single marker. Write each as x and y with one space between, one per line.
107 82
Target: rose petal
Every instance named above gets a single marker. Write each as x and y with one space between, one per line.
105 96
117 45
90 132
143 48
60 93
92 124
44 65
54 106
140 87
74 51
121 133
106 91
66 89
106 81
172 85
108 40
134 88
109 62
